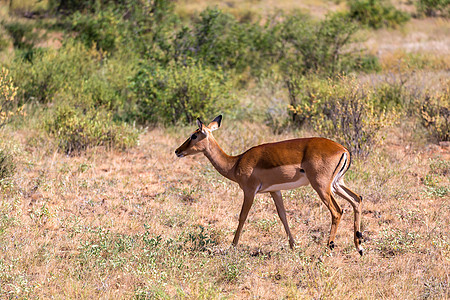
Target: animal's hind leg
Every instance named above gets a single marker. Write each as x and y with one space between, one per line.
356 202
333 206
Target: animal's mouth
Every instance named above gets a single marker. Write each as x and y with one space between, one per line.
179 153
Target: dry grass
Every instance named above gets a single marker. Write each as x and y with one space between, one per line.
145 224
427 39
247 8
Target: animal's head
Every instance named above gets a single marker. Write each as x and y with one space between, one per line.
199 140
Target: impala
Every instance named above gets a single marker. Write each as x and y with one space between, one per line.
285 165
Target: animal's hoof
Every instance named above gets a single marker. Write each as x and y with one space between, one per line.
360 252
331 245
359 235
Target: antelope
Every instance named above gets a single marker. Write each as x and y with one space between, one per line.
285 165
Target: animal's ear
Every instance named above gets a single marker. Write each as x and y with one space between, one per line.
200 125
215 124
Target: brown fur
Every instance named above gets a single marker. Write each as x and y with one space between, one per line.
282 165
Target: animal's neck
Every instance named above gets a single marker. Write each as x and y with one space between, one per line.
221 161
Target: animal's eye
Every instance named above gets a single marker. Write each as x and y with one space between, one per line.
194 136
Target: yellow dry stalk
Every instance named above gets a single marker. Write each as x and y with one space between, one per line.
8 93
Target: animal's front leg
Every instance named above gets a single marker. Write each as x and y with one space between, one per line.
248 201
278 199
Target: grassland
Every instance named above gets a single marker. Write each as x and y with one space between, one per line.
143 224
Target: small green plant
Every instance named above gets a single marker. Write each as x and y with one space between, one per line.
376 13
180 93
231 271
307 96
7 164
434 186
440 167
436 181
393 242
232 267
105 247
266 224
390 96
201 241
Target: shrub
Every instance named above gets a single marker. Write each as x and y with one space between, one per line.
354 120
318 46
54 70
76 130
391 95
10 105
432 8
216 38
397 91
376 13
73 74
307 96
342 109
297 42
434 113
101 30
146 27
24 37
179 94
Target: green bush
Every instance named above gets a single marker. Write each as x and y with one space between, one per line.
398 91
145 27
312 46
298 43
390 96
307 96
432 8
73 74
179 94
216 38
376 13
101 30
76 130
52 71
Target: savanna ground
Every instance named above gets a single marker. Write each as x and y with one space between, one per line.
142 223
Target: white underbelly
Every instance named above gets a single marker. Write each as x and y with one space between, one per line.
302 181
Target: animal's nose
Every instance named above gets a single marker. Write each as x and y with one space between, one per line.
176 151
